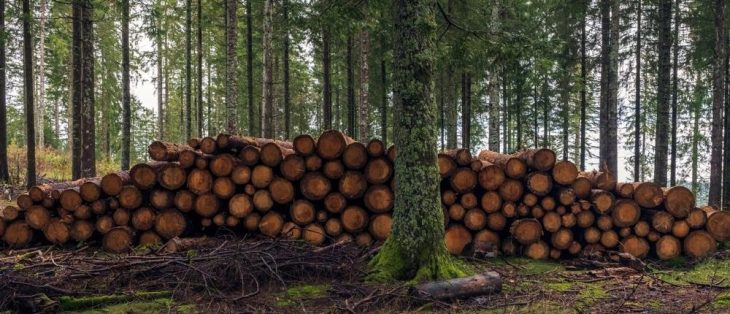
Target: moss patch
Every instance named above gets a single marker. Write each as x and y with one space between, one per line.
162 305
294 294
70 303
722 301
710 271
588 295
559 286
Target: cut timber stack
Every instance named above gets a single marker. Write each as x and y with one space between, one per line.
336 189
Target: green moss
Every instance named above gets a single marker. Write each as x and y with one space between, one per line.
589 295
722 301
70 303
710 271
559 286
294 294
390 264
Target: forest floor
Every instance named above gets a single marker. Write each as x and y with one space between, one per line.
279 276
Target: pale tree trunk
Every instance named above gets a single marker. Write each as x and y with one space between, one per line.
126 106
326 84
268 93
188 69
4 175
41 100
718 93
160 60
584 85
675 113
637 95
231 66
493 88
28 84
663 93
363 120
695 140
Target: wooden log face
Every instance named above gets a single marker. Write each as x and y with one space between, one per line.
143 218
331 144
222 165
542 159
376 148
491 202
57 232
184 200
130 197
353 185
475 219
379 199
354 219
206 205
662 222
314 234
262 200
626 213
582 187
718 225
463 180
261 176
162 199
482 284
562 239
224 188
37 217
335 202
171 176
679 201
70 199
292 168
302 212
496 221
90 191
537 250
491 177
648 194
271 224
511 190
696 218
241 175
250 155
699 244
333 227
200 181
446 165
380 227
333 169
668 247
170 224
539 183
304 145
564 172
81 230
314 186
355 156
456 239
526 231
240 205
118 240
378 171
637 247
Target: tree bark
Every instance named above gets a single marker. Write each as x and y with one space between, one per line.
160 79
675 113
466 110
663 92
416 245
40 101
384 102
584 85
327 84
350 89
609 28
493 90
188 69
249 69
287 106
231 65
199 93
718 94
29 104
4 175
126 106
637 97
268 92
88 125
363 120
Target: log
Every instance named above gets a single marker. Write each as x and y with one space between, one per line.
604 222
468 200
380 226
456 212
159 199
9 213
57 232
511 190
551 221
509 209
548 203
582 187
566 196
83 212
355 156
496 221
187 158
668 247
150 239
144 176
446 165
562 239
376 148
526 231
333 169
564 172
271 224
335 202
37 217
332 143
143 218
121 217
625 189
699 244
281 190
486 241
250 155
261 176
592 235
112 183
165 151
333 227
475 219
680 229
696 218
234 142
292 168
104 224
184 200
208 145
379 199
513 166
251 222
490 202
602 200
200 181
636 246
537 250
81 230
302 212
602 180
539 183
540 159
240 205
392 153
378 171
273 153
648 194
130 197
18 235
353 184
364 239
224 188
314 234
118 240
679 201
642 228
456 238
222 165
304 145
354 219
313 163
314 186
291 231
662 222
482 284
585 219
206 205
609 239
70 199
626 213
262 200
718 225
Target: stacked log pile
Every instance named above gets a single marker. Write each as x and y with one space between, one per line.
336 189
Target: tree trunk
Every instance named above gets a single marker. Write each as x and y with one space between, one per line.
29 104
606 79
188 69
637 97
327 83
695 107
416 245
493 90
231 65
4 175
249 68
612 140
363 120
718 93
41 100
88 125
675 66
583 86
287 106
126 106
350 89
384 103
160 78
199 93
451 109
466 110
663 92
76 99
268 92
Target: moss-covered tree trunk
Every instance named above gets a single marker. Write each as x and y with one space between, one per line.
415 249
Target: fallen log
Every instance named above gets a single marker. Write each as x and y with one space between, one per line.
482 284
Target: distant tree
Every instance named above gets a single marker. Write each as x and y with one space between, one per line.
88 113
41 73
675 95
268 89
28 87
287 100
160 76
249 69
231 66
350 89
466 110
363 119
637 96
199 92
663 92
718 94
327 80
188 69
4 175
126 105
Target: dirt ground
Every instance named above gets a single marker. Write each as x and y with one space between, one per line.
268 276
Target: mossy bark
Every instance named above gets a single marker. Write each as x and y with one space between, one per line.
415 250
